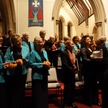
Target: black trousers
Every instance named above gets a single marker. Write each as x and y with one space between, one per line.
15 86
69 89
3 96
40 93
105 90
90 88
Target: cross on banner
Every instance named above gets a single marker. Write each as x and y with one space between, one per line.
35 13
35 3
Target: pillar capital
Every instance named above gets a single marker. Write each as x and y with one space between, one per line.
98 24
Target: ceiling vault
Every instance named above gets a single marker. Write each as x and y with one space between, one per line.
82 9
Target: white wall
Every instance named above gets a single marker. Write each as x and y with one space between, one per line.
67 19
86 29
21 10
69 15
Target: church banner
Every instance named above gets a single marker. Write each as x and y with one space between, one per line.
35 13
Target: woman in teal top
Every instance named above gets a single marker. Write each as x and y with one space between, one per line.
26 42
39 63
3 66
16 72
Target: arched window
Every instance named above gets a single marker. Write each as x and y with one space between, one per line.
60 29
69 29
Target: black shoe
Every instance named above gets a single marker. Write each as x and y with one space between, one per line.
74 106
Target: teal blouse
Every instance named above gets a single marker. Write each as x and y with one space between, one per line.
2 80
9 58
36 64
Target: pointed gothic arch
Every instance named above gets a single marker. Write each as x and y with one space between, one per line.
61 27
99 14
69 29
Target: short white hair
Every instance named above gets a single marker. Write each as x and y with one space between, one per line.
37 39
25 33
52 36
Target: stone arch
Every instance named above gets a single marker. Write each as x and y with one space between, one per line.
62 18
69 22
8 20
98 11
61 27
100 16
55 14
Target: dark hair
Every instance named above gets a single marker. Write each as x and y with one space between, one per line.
100 43
10 31
83 40
42 32
14 37
75 37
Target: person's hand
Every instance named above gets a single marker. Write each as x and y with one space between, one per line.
12 65
6 65
19 61
92 56
46 63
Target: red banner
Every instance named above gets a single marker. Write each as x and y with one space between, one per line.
35 13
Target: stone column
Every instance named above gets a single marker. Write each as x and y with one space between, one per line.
99 29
